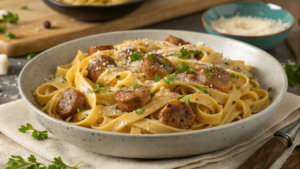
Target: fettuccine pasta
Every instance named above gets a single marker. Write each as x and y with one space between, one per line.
152 87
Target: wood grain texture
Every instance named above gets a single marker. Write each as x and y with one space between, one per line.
33 38
293 39
265 156
293 162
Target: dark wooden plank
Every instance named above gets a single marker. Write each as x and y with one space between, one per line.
293 162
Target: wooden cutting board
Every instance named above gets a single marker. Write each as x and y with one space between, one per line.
32 37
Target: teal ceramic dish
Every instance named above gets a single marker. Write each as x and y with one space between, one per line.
255 10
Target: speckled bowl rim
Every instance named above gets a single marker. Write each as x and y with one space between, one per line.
271 106
94 6
248 36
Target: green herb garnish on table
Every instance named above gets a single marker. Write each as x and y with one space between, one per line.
39 135
293 74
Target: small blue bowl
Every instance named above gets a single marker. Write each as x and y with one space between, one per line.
255 10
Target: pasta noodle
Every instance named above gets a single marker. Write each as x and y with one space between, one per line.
176 101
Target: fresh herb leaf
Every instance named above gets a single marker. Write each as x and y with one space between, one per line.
178 98
75 86
185 67
293 74
232 74
203 90
185 54
107 90
226 63
156 78
210 68
31 55
39 135
251 106
139 111
32 158
50 77
98 87
208 75
237 87
10 18
197 52
135 56
164 63
269 89
89 91
251 77
118 76
9 35
168 81
122 86
136 86
64 80
175 54
187 100
80 110
233 102
150 57
24 7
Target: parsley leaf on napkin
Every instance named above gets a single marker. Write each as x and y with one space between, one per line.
39 135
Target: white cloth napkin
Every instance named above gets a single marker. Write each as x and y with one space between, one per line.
12 142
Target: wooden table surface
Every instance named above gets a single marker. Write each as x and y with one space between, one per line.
282 52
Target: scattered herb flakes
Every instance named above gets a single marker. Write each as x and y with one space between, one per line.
89 91
293 74
156 78
168 81
164 63
210 68
269 89
197 52
85 117
80 69
50 77
149 89
203 90
98 87
123 86
139 111
80 110
135 56
175 54
178 98
75 86
226 63
150 57
31 55
185 54
233 102
251 106
24 7
107 90
118 76
10 36
232 74
64 80
185 67
38 135
237 87
135 86
208 75
251 77
187 100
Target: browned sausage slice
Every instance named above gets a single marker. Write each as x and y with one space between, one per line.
68 102
177 114
221 79
97 66
95 49
159 65
129 100
176 41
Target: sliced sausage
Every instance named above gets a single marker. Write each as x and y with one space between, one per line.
130 100
97 66
68 102
95 49
177 114
156 66
176 41
221 79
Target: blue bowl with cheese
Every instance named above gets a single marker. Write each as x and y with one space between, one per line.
263 25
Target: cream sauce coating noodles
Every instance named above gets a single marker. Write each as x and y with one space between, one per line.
152 87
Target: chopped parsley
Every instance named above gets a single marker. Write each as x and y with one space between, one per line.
168 81
226 63
293 74
232 74
135 86
251 77
64 80
31 55
269 89
24 7
89 91
38 135
98 87
156 78
150 57
185 67
135 56
8 18
164 63
107 90
80 69
123 86
139 111
251 106
50 77
184 54
237 87
197 52
233 102
203 90
75 86
80 110
210 68
208 75
187 100
9 35
85 117
178 98
118 76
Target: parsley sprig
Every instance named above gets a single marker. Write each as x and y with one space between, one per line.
135 56
98 87
17 161
186 54
180 68
11 18
136 85
293 74
39 135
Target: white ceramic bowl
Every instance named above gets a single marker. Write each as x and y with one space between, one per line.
266 68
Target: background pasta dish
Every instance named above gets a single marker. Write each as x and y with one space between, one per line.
92 2
152 87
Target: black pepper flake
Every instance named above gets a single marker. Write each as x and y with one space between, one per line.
47 24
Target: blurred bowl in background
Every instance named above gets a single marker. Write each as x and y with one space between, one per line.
262 10
94 13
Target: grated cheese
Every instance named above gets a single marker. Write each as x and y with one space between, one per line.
248 25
